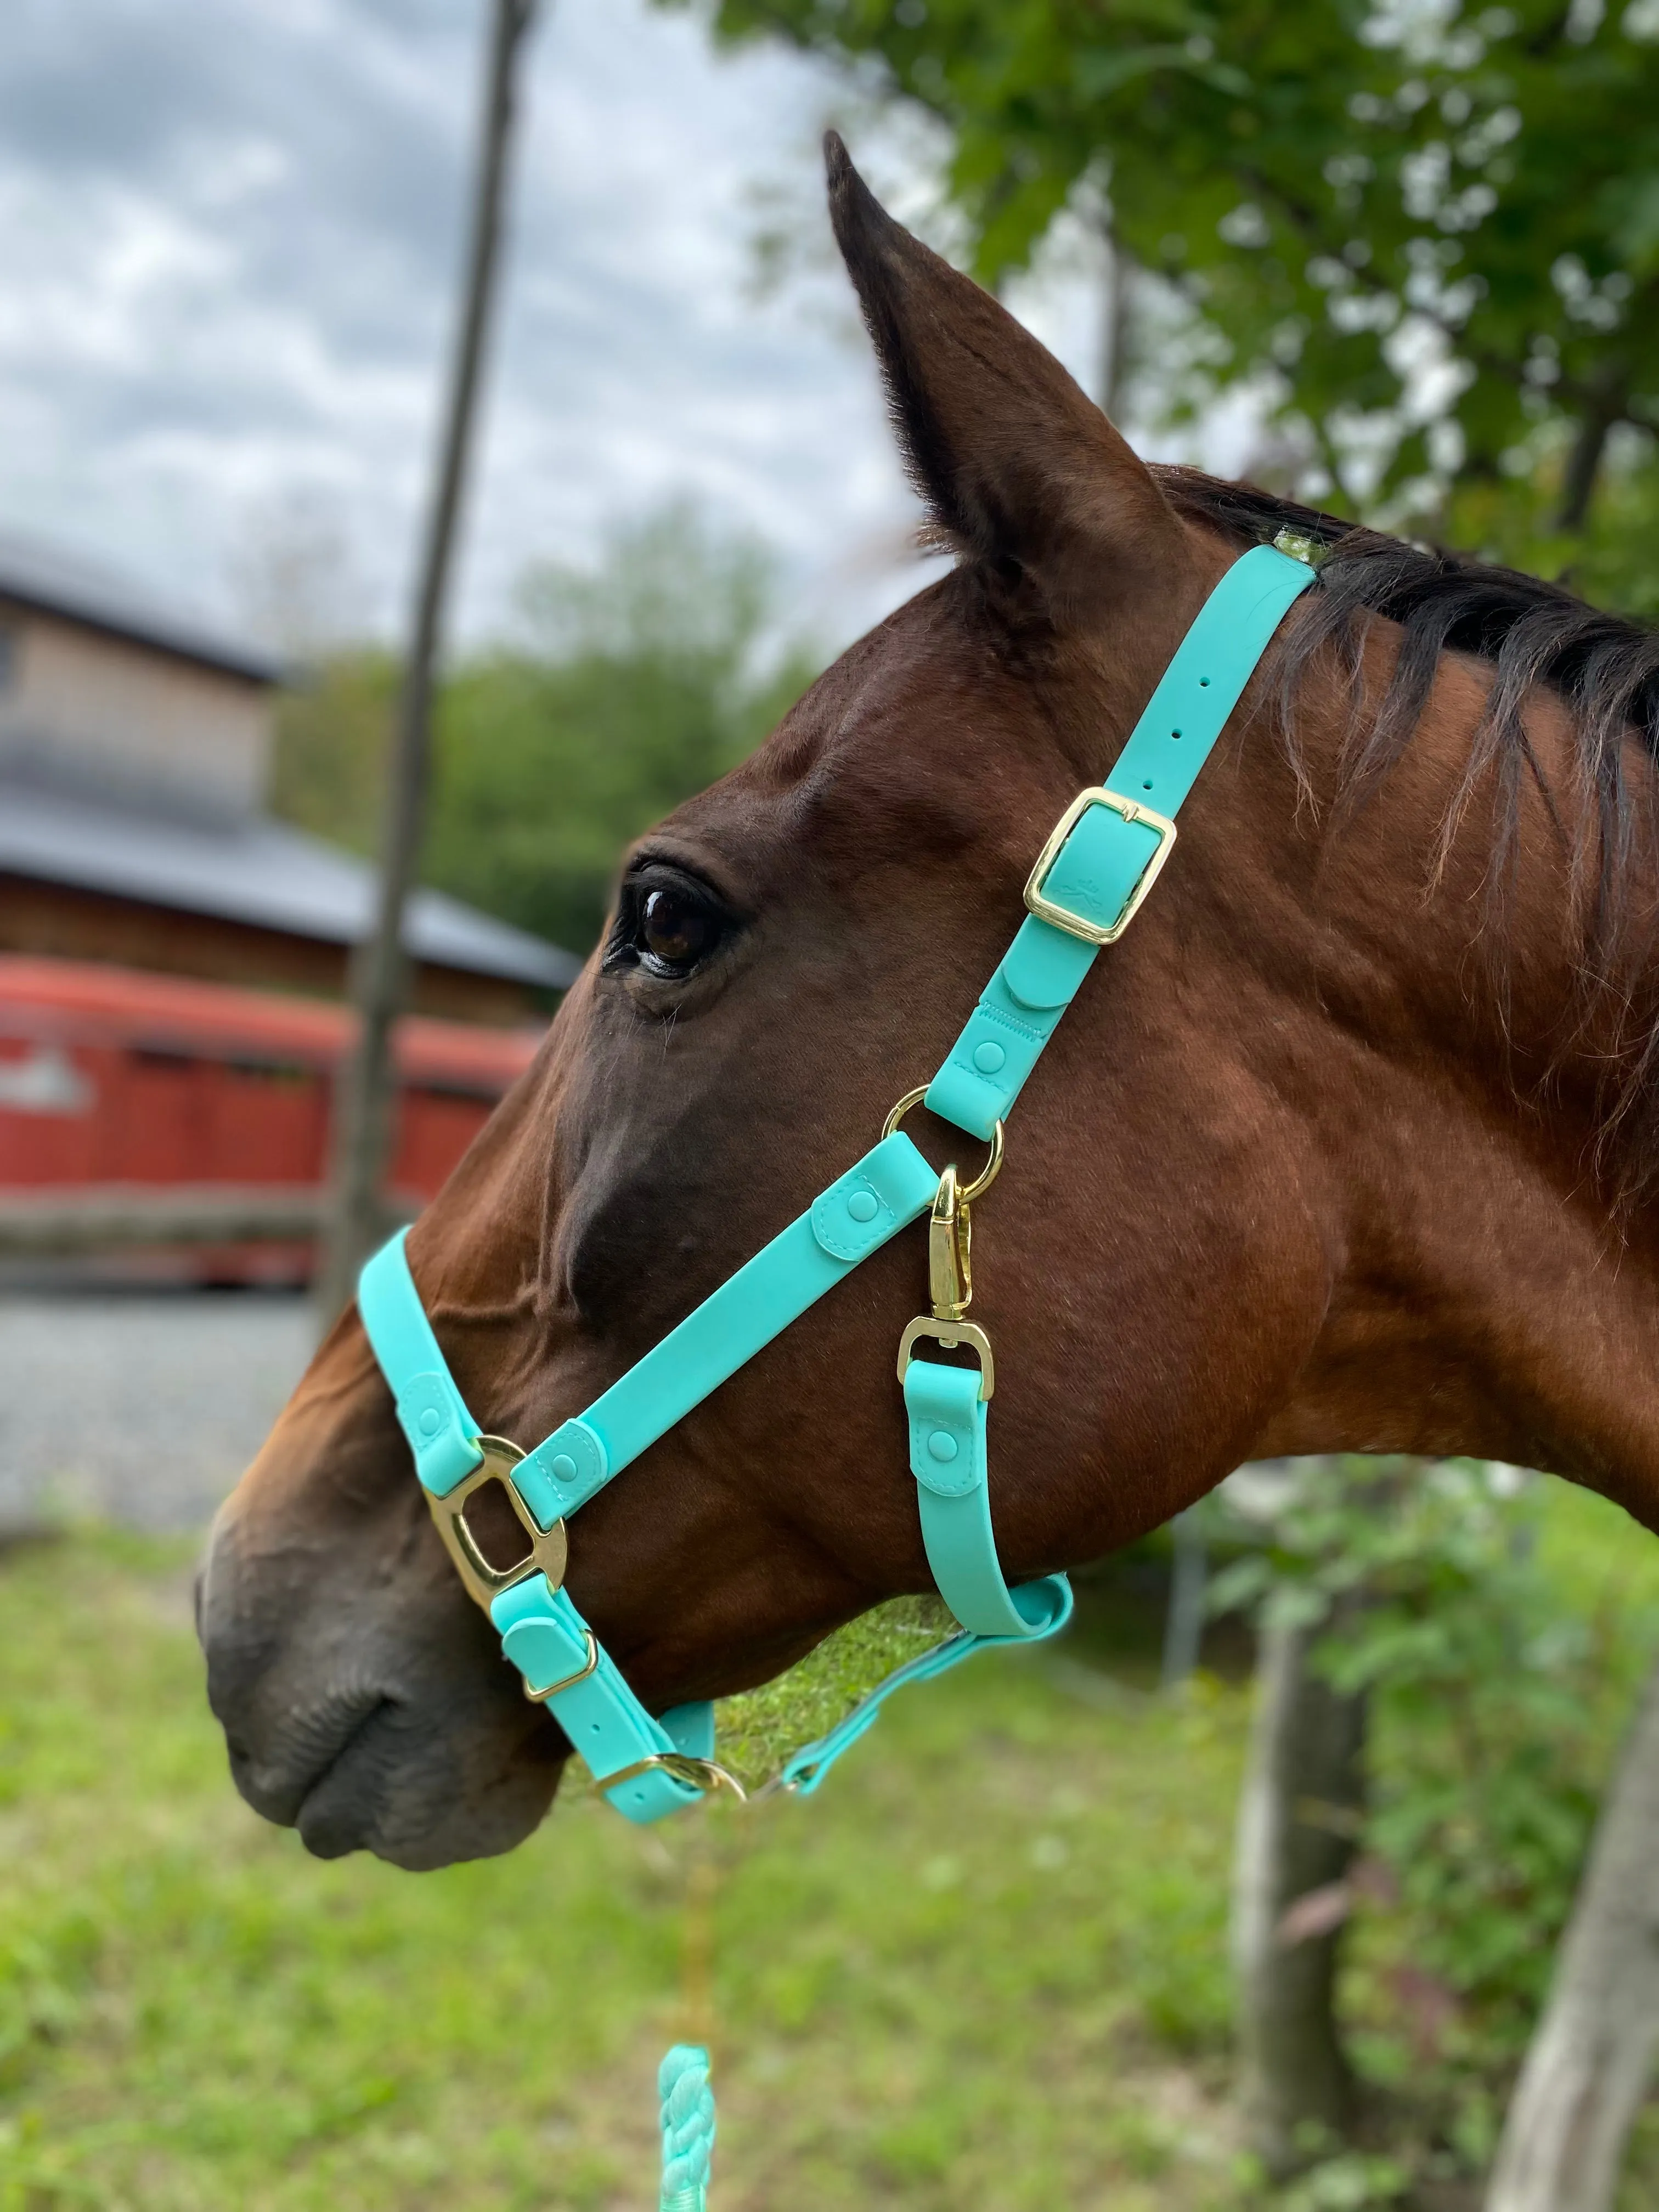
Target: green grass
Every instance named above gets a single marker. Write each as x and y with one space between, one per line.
983 1971
983 1967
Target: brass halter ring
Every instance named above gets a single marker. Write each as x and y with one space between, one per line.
986 1175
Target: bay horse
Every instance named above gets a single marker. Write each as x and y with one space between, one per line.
1344 1147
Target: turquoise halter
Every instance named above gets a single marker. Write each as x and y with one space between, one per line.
1088 884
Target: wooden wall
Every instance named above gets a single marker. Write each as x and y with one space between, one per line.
129 721
68 924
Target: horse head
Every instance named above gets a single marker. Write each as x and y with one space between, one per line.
1272 1189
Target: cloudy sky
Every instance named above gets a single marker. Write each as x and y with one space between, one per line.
228 242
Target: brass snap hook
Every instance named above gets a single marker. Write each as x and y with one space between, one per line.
950 1250
950 1257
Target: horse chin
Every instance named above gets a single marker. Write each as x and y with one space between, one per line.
383 1719
424 1811
409 1792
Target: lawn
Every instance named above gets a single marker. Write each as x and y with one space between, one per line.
983 1971
983 1967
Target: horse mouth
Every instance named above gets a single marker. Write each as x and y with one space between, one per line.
377 1775
319 1776
342 1805
386 1729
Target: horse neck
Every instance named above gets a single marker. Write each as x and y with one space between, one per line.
1489 1294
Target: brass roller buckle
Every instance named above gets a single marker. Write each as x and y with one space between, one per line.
700 1773
549 1550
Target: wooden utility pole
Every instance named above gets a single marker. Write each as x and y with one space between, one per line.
366 1093
1299 1822
1591 2060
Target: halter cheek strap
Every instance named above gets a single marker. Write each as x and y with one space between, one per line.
1089 883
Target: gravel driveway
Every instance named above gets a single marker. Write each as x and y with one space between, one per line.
140 1409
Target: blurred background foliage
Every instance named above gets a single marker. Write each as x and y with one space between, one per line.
1418 241
1422 233
1501 1652
626 687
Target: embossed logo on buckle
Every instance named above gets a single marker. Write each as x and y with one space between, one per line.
1062 917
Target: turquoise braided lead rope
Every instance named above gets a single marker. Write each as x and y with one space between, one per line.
688 2128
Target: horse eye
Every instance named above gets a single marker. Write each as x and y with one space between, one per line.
676 930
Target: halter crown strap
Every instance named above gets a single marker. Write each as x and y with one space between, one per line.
1103 863
1088 883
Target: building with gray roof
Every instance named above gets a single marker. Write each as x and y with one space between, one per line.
135 757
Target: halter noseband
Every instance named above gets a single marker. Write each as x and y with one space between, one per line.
1089 882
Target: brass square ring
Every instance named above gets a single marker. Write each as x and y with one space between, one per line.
950 1335
549 1548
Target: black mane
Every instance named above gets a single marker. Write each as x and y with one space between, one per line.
1604 667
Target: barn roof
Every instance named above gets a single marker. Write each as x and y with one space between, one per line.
47 577
257 872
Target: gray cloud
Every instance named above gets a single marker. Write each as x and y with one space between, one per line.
228 234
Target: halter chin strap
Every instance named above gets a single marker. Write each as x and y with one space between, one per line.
1088 883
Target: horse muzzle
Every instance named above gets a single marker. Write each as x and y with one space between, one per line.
364 1701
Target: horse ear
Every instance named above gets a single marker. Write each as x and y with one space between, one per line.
1020 470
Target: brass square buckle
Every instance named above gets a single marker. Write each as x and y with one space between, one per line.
549 1548
590 1665
1076 925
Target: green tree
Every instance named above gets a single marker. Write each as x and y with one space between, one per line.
1498 1698
1387 214
634 683
331 730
